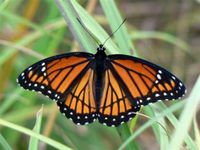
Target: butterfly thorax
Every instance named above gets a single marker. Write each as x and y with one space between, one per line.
100 61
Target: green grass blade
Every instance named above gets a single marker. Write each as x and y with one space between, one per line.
114 18
33 143
70 16
160 133
19 20
124 133
137 35
4 4
170 116
186 117
29 132
197 133
10 100
4 143
150 122
95 28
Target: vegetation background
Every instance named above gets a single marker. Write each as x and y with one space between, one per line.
164 32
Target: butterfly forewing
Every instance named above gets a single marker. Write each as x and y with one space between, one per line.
55 75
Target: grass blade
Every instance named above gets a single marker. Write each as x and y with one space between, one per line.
186 117
151 122
47 140
4 143
114 18
33 143
197 133
137 35
70 16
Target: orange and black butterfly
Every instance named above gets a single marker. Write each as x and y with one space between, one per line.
109 88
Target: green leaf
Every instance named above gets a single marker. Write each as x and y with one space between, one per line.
114 18
124 132
137 35
70 15
197 133
186 118
4 143
47 140
150 122
33 143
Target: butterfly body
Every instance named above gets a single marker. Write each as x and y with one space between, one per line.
110 88
100 65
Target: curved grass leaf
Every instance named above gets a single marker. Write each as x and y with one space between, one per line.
29 132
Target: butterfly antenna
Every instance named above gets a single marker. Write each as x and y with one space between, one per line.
114 32
84 27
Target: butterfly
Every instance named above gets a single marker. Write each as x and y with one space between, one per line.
109 88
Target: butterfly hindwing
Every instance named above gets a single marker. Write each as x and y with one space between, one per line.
80 105
115 107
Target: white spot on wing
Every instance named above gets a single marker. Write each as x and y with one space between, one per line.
156 82
159 71
148 98
49 91
158 76
43 69
22 74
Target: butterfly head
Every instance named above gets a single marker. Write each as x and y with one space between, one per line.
101 48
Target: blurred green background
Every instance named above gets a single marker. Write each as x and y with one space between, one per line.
164 32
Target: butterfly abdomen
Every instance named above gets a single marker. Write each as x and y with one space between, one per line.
100 61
